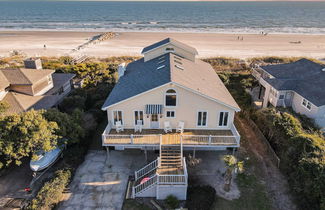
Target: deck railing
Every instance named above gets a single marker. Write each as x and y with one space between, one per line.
147 169
185 140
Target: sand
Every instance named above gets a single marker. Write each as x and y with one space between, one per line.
131 43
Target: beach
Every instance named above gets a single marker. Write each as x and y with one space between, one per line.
60 43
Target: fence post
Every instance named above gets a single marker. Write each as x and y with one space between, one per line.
131 136
209 139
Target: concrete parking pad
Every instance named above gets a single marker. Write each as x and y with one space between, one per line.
101 184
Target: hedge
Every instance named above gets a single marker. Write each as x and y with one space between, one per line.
50 194
200 197
302 154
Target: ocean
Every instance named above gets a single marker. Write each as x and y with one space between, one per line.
215 17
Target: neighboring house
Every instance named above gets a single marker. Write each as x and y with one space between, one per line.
169 88
25 88
300 85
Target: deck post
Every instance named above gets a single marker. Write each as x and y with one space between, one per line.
131 137
194 153
145 154
107 154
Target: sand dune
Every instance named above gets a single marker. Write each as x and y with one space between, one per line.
131 43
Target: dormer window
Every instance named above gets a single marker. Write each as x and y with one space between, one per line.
170 49
170 98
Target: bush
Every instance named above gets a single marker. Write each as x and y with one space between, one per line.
200 197
172 202
50 194
302 154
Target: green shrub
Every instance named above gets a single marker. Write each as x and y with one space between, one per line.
50 194
172 202
302 154
200 197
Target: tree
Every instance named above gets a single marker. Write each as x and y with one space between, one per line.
22 135
69 126
232 164
3 106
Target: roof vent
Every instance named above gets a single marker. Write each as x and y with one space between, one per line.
160 67
180 67
161 61
323 69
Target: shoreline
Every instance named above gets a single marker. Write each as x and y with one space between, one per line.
59 43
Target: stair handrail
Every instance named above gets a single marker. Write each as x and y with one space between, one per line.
146 169
181 141
144 186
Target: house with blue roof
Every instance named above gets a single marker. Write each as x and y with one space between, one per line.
300 85
169 101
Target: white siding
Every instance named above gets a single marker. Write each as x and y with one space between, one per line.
188 105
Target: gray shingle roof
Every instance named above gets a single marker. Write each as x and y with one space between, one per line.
305 77
142 76
172 41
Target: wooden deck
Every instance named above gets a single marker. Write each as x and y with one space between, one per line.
161 131
157 136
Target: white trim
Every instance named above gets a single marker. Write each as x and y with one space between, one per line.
148 91
208 97
170 111
173 83
171 94
137 110
187 50
197 117
302 101
117 110
218 119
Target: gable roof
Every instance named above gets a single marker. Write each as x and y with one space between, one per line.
171 41
305 77
197 76
23 76
3 81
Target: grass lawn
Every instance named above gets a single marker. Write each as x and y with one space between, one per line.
134 205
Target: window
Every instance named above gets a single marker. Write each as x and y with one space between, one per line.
223 118
281 96
117 116
170 99
202 118
170 49
138 115
170 114
306 104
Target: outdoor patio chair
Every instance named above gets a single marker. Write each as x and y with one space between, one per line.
119 126
138 126
180 127
167 127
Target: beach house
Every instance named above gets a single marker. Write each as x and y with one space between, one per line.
168 101
300 85
32 87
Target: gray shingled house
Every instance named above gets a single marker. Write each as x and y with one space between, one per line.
168 101
300 85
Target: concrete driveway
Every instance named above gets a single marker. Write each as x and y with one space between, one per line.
101 184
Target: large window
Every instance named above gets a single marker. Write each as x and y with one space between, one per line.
138 115
117 116
202 118
223 118
170 99
306 104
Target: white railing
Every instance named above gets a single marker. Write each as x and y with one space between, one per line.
147 169
174 179
184 140
139 188
235 133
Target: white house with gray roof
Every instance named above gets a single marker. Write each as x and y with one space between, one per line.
168 101
300 85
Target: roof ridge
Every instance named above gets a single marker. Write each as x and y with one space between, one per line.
14 97
25 76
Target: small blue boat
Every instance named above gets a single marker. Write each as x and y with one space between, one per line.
45 159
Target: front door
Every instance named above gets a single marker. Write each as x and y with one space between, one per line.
154 121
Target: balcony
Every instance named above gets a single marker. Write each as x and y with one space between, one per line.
154 137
